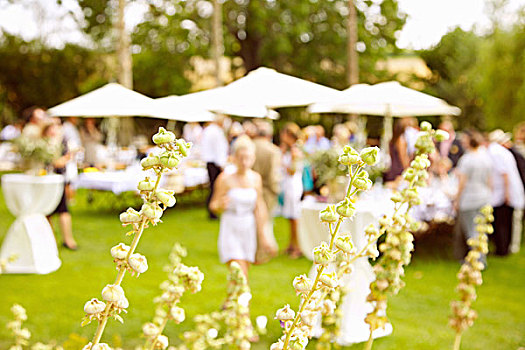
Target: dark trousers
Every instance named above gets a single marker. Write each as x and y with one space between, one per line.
502 228
213 172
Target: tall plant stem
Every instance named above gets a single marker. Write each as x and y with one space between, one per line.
457 341
161 329
122 271
368 345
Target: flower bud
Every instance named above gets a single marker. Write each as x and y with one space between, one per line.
120 251
370 155
322 254
150 161
151 211
261 322
362 184
285 314
371 231
350 150
177 314
138 263
345 208
130 216
146 185
94 306
169 159
348 159
112 293
19 312
441 135
425 126
183 147
302 284
99 346
166 197
328 307
244 299
308 317
328 215
162 342
329 280
372 251
150 330
382 284
345 244
163 136
279 345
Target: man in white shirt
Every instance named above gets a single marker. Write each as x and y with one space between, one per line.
214 151
507 191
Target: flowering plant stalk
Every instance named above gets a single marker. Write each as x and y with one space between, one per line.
469 276
22 335
398 245
126 260
181 278
230 327
298 327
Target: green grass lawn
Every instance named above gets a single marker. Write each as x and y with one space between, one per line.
419 313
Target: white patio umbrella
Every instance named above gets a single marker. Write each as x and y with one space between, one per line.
276 90
389 99
111 100
173 108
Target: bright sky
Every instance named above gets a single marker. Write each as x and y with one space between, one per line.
428 20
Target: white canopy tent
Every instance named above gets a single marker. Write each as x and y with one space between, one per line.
173 108
111 100
275 90
389 99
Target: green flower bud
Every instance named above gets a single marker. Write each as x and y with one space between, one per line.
362 184
345 244
285 314
371 231
322 254
425 126
345 208
183 147
350 151
329 279
347 159
130 216
370 155
146 185
163 136
166 197
302 284
328 215
441 135
409 174
151 211
363 175
396 197
169 160
150 161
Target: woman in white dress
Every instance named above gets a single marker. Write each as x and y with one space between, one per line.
237 197
292 183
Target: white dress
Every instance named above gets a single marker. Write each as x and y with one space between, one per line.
292 187
238 233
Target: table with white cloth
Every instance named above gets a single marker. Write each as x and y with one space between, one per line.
355 307
30 239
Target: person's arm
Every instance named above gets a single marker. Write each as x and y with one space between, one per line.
462 180
275 172
402 150
261 217
219 200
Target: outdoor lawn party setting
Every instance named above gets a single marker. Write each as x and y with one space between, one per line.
281 175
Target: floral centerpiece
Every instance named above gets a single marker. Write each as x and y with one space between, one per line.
37 153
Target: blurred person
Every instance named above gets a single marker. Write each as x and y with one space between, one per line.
74 144
519 138
214 152
11 131
91 139
238 199
234 132
508 193
450 148
341 136
411 134
474 170
53 133
517 217
192 132
397 148
316 140
34 118
249 129
292 185
268 165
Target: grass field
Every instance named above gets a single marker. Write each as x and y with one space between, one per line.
419 313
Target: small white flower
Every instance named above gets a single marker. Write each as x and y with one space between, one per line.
162 342
94 306
151 211
19 312
112 293
285 314
138 263
123 303
261 322
120 251
244 299
177 314
150 330
130 216
302 284
329 280
212 333
166 197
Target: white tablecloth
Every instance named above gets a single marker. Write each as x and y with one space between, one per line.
30 237
355 308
